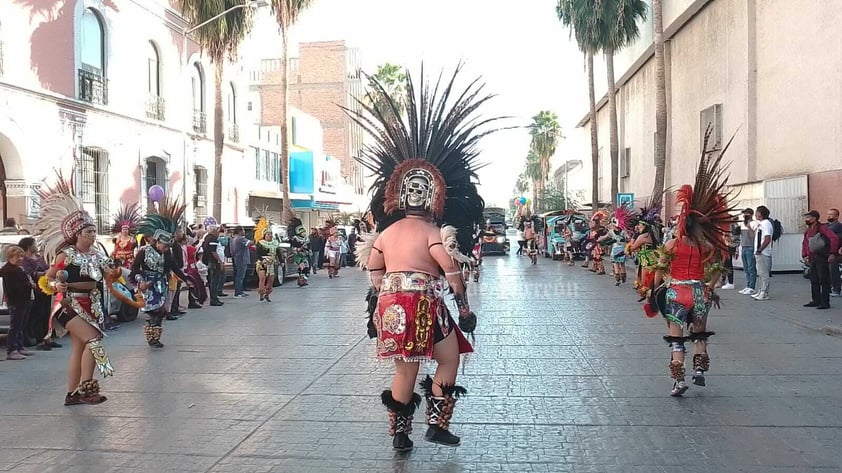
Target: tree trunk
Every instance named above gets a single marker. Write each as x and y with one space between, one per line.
594 135
218 142
612 124
534 204
660 104
285 138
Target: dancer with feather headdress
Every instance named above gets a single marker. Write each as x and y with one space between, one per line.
425 205
267 258
689 266
124 227
300 246
648 226
68 236
618 230
153 265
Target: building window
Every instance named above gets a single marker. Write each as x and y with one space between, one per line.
625 163
293 130
93 86
276 168
267 163
200 199
711 118
233 129
198 91
94 192
154 101
256 163
156 174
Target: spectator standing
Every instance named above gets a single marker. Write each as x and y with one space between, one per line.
733 241
240 256
763 251
210 257
10 227
17 287
39 315
835 278
316 244
748 230
178 258
819 249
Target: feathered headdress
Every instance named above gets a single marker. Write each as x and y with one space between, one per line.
261 228
127 217
625 217
296 233
599 217
706 206
161 224
62 218
437 132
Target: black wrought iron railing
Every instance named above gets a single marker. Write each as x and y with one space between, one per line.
200 121
93 87
233 133
155 107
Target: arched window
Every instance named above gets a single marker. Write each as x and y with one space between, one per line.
198 88
93 42
198 85
153 71
232 104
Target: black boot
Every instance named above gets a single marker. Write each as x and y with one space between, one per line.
440 411
400 419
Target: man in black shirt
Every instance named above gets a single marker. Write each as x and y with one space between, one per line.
178 260
210 257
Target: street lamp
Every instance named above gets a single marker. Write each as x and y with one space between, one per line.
184 32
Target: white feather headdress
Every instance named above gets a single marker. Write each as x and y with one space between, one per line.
62 217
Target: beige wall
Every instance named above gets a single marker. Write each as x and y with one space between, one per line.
799 58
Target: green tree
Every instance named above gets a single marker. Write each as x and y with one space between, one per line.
620 19
545 132
602 26
393 79
219 39
286 14
660 103
533 173
577 16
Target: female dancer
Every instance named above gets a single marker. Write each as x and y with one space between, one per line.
125 242
690 260
267 257
644 245
68 234
333 249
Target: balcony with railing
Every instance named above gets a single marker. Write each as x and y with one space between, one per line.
200 122
233 133
155 107
93 87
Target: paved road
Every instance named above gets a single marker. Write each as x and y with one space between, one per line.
569 377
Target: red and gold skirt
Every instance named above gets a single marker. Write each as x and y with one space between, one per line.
412 317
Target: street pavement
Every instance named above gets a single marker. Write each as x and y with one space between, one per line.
569 376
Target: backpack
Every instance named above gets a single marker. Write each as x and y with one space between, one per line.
777 229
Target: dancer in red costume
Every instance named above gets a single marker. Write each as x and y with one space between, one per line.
689 268
424 198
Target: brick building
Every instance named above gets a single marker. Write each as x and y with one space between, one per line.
325 75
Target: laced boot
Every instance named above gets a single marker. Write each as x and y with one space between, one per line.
440 412
153 335
701 363
679 387
400 419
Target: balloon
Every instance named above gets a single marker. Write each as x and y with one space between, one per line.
210 222
156 193
528 201
523 200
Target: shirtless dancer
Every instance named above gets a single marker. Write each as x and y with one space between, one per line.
407 259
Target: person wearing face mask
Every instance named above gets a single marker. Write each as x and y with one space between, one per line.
836 227
819 249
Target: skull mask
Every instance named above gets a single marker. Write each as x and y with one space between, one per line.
417 192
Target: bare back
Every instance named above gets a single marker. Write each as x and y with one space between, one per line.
406 246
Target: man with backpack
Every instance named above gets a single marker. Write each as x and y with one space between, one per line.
763 238
819 249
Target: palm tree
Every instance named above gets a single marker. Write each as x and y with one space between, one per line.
286 13
619 18
545 132
392 78
533 172
220 39
577 15
660 103
522 184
